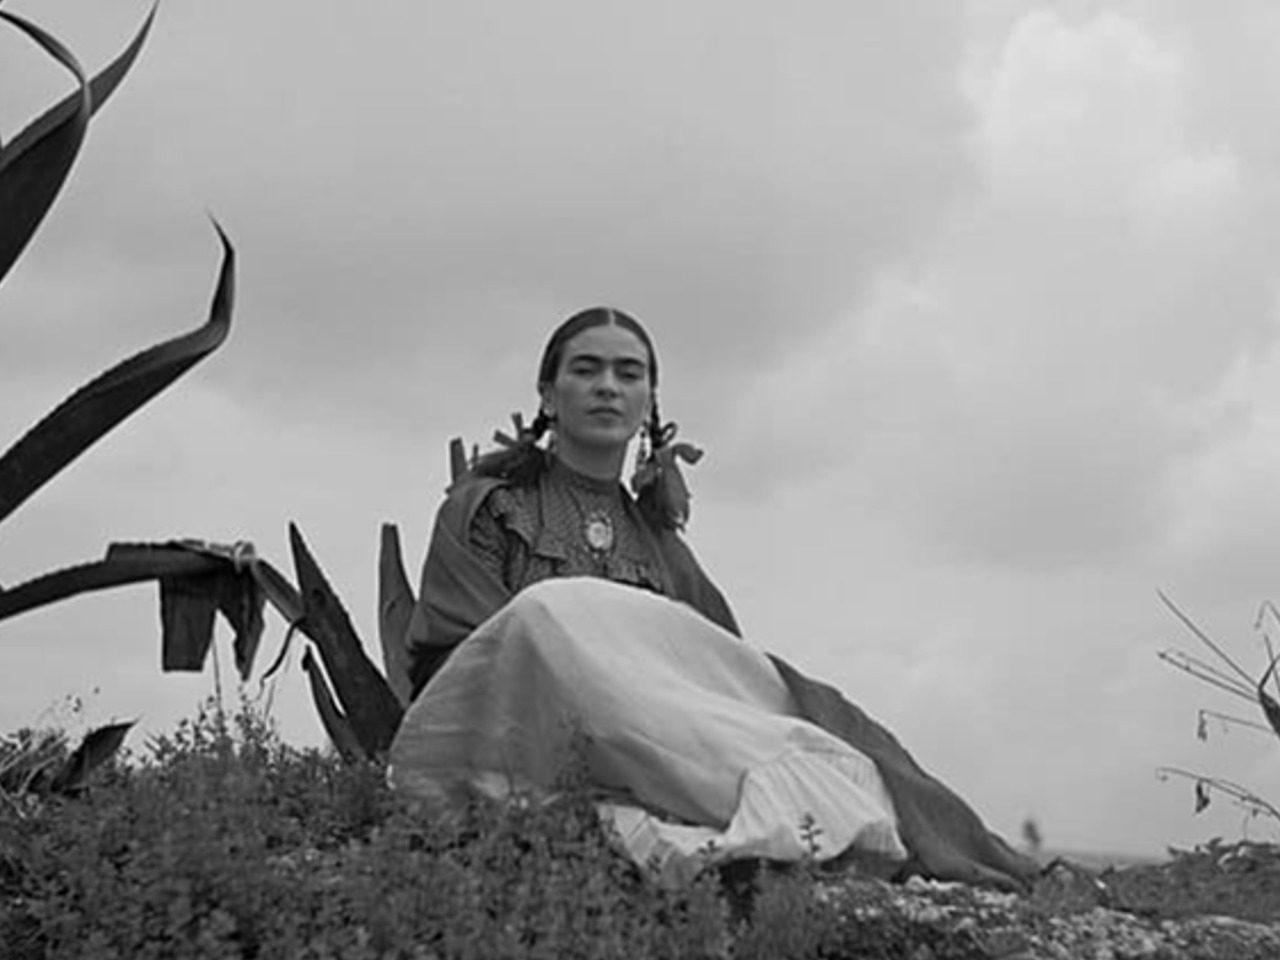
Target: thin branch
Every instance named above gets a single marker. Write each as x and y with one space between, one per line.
1241 795
1271 670
1239 721
1266 607
1206 670
1204 638
1271 655
1185 663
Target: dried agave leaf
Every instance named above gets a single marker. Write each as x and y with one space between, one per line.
365 696
195 583
93 410
395 608
188 606
1202 796
236 589
240 600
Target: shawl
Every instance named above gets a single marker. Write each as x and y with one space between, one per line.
943 835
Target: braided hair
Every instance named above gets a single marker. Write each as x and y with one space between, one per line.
522 461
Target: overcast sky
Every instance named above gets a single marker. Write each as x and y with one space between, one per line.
973 306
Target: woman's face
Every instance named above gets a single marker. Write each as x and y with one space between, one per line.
601 393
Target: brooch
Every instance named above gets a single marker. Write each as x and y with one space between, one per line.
598 530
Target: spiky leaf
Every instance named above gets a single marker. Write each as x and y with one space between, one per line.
93 410
395 608
336 725
458 466
34 165
364 695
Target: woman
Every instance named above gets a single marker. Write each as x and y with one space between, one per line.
584 610
525 514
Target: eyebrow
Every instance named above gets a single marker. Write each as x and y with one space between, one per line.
626 360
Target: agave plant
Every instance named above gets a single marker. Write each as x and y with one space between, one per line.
1227 675
360 708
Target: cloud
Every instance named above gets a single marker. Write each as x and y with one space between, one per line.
1225 507
423 184
972 307
1021 396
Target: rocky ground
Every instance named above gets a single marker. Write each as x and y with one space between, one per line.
1220 901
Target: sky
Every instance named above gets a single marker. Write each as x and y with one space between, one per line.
973 307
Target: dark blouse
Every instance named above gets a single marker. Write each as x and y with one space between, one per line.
493 537
526 534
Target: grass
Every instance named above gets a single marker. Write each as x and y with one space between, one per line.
220 840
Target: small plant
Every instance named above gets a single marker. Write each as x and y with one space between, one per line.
41 762
220 840
1231 678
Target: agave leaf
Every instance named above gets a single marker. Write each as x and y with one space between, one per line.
395 607
34 167
457 460
336 725
364 694
280 593
98 406
101 87
97 748
124 564
35 164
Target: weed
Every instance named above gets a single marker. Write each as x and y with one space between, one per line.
222 841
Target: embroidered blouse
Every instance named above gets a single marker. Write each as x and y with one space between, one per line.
492 538
568 525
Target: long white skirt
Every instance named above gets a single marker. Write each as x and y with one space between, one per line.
689 722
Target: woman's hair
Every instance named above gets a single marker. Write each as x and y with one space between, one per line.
586 320
523 461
